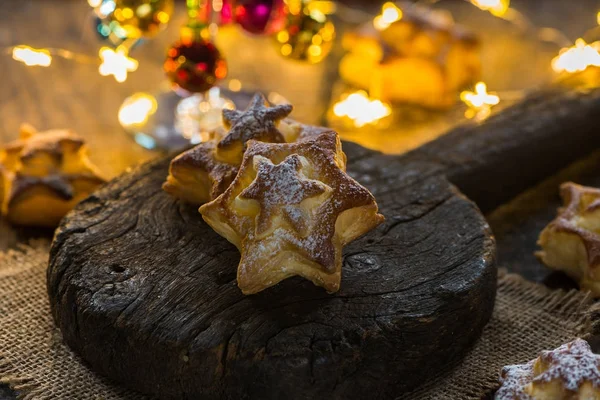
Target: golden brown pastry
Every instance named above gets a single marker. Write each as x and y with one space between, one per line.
423 58
571 243
44 175
569 372
290 210
201 174
257 122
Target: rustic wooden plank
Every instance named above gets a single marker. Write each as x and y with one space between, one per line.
513 150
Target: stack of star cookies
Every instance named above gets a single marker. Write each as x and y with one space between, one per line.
279 192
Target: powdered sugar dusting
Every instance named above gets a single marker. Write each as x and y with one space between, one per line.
281 184
572 364
514 378
301 190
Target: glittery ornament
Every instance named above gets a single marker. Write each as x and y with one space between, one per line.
142 18
308 36
194 65
202 12
262 17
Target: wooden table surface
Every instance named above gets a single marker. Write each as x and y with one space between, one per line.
72 95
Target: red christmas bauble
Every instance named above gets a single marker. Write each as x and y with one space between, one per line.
261 17
195 65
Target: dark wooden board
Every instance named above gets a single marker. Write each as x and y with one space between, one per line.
145 291
518 223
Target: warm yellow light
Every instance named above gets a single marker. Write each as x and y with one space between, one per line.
314 50
163 17
143 10
390 13
496 7
116 63
318 15
480 102
361 109
127 13
286 49
283 37
94 3
325 7
235 85
578 57
136 109
30 56
480 97
598 17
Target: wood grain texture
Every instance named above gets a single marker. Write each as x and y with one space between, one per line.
145 291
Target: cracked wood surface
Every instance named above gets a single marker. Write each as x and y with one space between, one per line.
145 291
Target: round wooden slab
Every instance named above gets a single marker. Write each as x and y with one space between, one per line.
145 292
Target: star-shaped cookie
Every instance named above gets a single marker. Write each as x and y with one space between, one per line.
290 210
199 175
196 176
568 372
571 242
279 189
257 122
44 175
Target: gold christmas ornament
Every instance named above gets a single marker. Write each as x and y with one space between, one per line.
142 18
308 34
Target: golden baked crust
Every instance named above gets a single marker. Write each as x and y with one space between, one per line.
439 58
202 173
44 175
257 122
196 176
569 372
290 210
571 242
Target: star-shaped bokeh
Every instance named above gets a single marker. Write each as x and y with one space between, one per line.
116 63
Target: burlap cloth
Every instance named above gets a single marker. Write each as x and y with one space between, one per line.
528 318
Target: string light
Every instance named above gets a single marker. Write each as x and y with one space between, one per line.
136 109
235 85
578 57
496 7
361 109
390 13
116 63
32 57
480 102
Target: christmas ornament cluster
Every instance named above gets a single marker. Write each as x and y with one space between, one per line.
194 64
